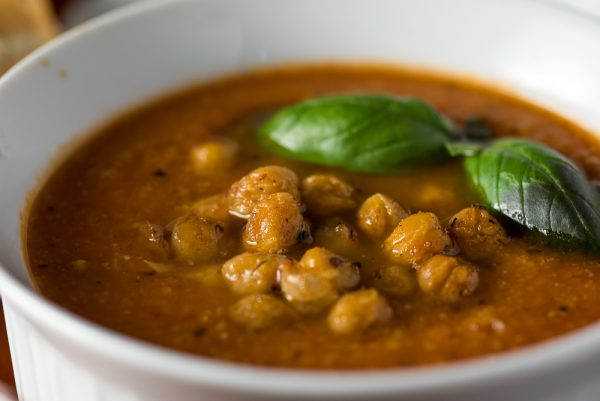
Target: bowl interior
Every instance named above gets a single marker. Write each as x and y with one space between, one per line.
104 67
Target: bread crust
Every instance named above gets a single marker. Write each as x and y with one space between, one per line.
24 25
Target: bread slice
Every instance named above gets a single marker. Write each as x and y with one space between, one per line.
24 25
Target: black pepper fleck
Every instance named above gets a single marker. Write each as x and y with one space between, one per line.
199 332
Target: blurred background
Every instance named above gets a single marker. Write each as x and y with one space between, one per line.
26 24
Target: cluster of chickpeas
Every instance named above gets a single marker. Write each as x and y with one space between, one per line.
420 253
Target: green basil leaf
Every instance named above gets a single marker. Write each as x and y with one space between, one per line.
540 189
364 133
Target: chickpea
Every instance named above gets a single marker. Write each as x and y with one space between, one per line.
308 291
325 195
395 280
195 240
276 224
214 208
260 183
153 237
252 273
432 194
260 311
344 273
417 238
356 311
379 215
338 236
214 156
477 233
447 278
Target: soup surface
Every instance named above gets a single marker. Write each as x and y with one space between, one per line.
111 235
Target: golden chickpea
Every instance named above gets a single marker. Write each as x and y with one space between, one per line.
433 195
417 238
338 236
395 280
214 156
379 215
252 273
356 311
308 291
325 195
478 234
260 183
195 240
260 311
213 208
447 278
344 273
153 237
276 224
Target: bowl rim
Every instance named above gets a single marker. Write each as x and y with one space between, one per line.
541 357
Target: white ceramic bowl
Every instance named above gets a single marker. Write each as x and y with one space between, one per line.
94 72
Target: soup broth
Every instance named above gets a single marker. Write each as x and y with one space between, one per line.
103 232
